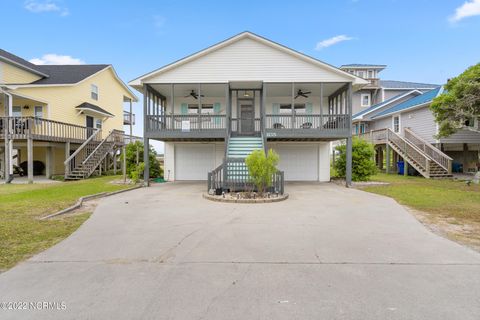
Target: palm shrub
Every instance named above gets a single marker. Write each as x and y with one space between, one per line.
363 165
261 168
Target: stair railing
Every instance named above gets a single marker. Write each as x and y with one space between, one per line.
410 150
435 154
215 178
83 151
115 136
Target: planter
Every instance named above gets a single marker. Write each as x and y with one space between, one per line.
236 198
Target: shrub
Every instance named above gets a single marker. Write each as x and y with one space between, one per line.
261 168
363 165
137 173
156 170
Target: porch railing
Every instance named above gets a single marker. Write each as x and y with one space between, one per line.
236 124
128 118
83 152
307 121
190 122
436 155
233 175
42 129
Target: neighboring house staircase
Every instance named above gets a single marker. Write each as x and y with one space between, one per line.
429 161
88 157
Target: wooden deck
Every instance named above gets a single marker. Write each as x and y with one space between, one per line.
23 128
425 158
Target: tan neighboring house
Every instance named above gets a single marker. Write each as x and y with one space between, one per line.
68 117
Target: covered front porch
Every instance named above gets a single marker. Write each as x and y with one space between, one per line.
276 110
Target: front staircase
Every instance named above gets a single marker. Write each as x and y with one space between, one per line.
233 174
429 161
88 157
241 147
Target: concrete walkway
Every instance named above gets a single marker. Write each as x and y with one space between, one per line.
326 253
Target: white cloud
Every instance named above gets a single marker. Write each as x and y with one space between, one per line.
36 6
52 58
331 41
468 9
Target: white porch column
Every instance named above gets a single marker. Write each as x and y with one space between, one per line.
48 162
115 162
30 159
124 164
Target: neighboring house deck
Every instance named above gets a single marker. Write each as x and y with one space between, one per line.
403 127
49 112
247 86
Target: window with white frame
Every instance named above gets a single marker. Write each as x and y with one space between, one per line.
16 111
98 123
396 124
365 100
371 74
206 108
298 107
361 73
38 111
94 92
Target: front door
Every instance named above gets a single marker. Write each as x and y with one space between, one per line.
89 125
247 116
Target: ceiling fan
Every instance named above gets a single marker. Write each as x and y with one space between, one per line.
194 95
302 93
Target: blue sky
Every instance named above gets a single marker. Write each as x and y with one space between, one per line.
421 41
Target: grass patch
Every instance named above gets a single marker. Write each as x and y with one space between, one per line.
448 207
22 234
444 197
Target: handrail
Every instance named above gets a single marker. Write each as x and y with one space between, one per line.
95 133
436 155
98 146
409 149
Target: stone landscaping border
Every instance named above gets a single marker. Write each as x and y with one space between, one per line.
229 200
80 201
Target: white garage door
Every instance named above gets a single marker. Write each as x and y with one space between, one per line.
194 161
299 162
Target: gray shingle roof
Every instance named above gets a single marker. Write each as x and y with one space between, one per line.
392 84
5 55
93 107
68 74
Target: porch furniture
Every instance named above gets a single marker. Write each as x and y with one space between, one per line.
307 125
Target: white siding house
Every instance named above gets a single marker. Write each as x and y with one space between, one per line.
247 91
414 114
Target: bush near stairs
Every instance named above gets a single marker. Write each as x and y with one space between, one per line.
363 165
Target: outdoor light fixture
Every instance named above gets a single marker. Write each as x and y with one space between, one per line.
26 106
245 94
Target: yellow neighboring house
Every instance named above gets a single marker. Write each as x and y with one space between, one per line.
60 119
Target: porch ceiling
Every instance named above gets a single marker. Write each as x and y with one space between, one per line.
273 89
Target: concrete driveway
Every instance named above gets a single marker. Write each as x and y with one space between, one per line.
326 253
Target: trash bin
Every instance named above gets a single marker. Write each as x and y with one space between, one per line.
457 167
401 167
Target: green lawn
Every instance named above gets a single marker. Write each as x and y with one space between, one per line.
450 206
22 234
